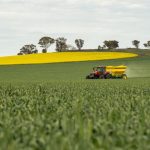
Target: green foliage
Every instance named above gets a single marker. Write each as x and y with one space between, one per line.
44 51
53 107
89 115
111 44
61 44
28 49
147 45
45 43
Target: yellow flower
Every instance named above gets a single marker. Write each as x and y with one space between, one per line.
62 57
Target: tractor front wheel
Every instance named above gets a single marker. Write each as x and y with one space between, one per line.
88 77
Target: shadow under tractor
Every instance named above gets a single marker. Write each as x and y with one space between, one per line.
108 72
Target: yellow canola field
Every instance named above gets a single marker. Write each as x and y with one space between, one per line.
62 57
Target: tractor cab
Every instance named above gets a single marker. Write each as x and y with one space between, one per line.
98 72
100 69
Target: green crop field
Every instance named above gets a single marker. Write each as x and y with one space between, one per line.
53 107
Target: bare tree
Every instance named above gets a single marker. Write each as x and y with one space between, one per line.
28 49
61 44
45 43
79 43
136 43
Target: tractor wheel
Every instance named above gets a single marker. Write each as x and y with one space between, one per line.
87 77
101 77
124 76
108 76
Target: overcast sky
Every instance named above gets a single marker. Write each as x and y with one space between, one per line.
25 21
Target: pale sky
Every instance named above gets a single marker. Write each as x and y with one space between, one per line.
25 21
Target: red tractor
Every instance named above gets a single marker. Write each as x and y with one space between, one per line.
108 72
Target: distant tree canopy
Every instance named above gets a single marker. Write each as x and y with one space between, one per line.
61 44
79 43
45 43
147 45
28 49
136 43
111 44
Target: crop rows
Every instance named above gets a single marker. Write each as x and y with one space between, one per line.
90 115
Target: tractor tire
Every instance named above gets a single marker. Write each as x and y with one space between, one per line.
124 76
87 77
108 76
101 77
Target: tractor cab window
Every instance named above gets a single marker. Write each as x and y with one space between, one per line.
101 69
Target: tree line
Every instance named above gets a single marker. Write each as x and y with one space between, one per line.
61 45
115 44
46 42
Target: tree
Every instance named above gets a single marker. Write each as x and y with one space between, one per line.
111 44
28 49
136 43
79 43
61 44
45 43
147 45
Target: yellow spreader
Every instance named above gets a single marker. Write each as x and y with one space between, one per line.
117 71
108 72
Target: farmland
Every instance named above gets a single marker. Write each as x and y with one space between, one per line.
76 115
63 57
52 106
75 71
